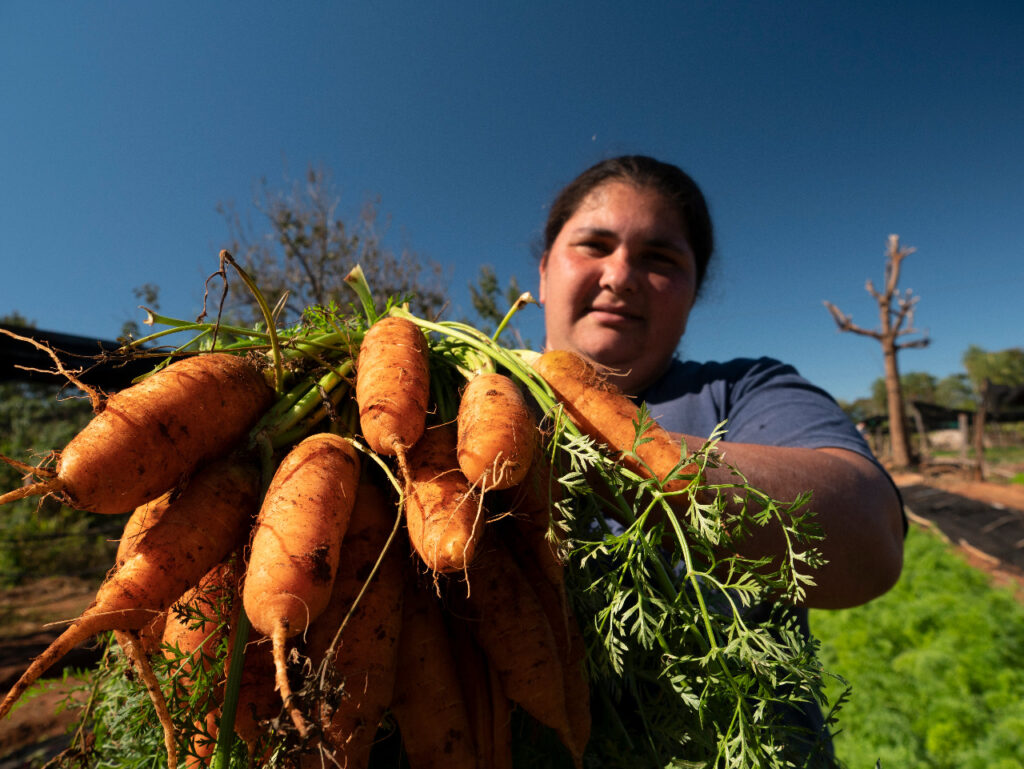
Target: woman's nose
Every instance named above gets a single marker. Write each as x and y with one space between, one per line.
618 273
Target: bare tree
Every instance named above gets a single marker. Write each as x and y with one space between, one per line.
896 312
304 248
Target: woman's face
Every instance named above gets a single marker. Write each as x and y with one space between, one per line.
618 283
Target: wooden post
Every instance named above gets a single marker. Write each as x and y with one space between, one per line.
922 433
965 435
979 433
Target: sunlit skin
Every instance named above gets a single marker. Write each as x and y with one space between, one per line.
618 283
617 286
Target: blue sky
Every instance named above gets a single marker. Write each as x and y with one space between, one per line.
815 129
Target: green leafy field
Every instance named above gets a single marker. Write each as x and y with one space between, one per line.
936 668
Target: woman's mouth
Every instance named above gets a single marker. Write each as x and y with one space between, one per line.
613 316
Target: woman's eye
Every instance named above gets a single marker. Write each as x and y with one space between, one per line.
592 246
663 258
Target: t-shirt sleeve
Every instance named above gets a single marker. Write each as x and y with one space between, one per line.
772 405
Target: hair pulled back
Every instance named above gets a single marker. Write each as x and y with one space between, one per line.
668 180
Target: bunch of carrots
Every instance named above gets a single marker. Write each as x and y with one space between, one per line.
368 513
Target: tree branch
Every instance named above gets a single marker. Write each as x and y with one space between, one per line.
844 322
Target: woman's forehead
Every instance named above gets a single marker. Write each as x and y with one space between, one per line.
617 202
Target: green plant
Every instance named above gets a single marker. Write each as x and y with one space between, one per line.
46 538
934 667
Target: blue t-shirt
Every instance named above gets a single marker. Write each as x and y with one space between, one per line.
762 401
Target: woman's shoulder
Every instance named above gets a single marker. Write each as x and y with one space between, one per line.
691 376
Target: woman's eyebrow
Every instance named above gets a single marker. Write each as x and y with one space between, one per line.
599 232
667 243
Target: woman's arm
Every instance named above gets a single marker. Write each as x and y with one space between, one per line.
857 508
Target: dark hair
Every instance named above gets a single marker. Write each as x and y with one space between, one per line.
668 180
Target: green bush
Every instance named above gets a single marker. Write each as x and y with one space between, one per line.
934 665
42 537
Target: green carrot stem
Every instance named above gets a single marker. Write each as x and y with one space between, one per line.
356 279
304 405
268 318
185 325
226 729
305 427
523 300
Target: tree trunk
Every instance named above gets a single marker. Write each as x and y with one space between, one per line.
901 457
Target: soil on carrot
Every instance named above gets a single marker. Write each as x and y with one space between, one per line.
984 521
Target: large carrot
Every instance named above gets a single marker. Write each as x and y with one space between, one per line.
497 434
362 653
529 536
512 628
568 638
489 709
600 410
258 703
534 516
201 526
392 385
194 640
443 512
142 518
295 546
428 703
150 436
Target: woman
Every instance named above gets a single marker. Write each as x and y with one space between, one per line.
626 250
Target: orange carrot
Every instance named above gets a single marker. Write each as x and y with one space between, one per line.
569 641
150 436
258 702
363 662
601 411
201 526
529 539
488 707
513 630
497 434
392 385
428 703
195 641
204 742
443 513
534 515
295 546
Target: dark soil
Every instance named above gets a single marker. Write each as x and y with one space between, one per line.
984 521
37 727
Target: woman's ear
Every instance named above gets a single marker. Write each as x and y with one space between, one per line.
542 272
